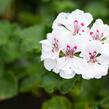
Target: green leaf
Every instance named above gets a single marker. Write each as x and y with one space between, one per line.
5 31
65 86
82 105
33 80
52 82
94 107
58 102
8 86
9 41
31 37
49 81
105 102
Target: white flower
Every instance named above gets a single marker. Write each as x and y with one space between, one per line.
52 45
76 22
66 67
93 64
67 64
50 51
99 31
60 20
105 49
72 48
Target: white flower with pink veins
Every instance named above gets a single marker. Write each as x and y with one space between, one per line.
94 64
67 64
76 22
72 48
99 31
50 51
52 45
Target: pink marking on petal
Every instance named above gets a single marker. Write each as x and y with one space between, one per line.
75 47
54 38
68 46
97 31
83 31
90 53
91 33
94 52
82 24
92 56
76 21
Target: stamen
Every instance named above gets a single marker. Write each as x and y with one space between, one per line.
83 31
92 56
70 51
77 27
75 47
97 31
94 52
76 21
55 47
90 53
68 46
82 24
96 35
91 33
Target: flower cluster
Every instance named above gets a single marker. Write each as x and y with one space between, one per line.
75 48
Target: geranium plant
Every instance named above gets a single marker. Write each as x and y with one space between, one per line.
74 48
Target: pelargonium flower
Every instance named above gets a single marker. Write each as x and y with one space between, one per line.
76 22
99 31
50 51
94 64
73 48
105 51
52 45
67 64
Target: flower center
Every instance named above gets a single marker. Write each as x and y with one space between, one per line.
55 47
70 51
97 35
92 57
77 27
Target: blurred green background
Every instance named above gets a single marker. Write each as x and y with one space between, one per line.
23 23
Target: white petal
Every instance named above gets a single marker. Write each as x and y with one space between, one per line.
103 59
46 55
105 49
49 64
67 74
93 70
56 70
103 28
90 47
61 62
66 67
46 48
80 16
97 25
82 41
63 35
60 20
106 31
